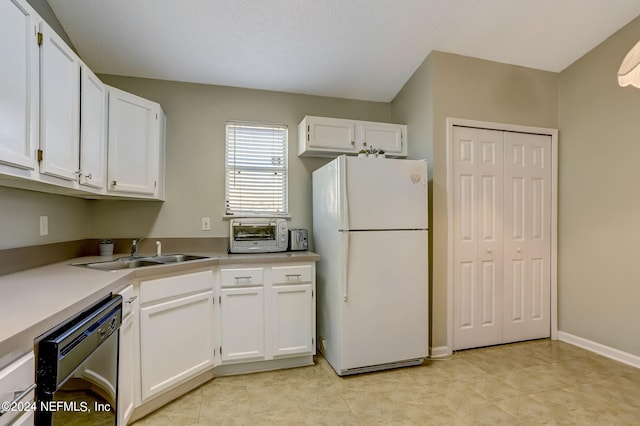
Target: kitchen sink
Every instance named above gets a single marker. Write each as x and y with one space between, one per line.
130 262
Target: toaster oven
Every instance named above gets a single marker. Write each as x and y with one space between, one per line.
256 235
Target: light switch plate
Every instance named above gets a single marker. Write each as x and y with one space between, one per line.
206 224
44 225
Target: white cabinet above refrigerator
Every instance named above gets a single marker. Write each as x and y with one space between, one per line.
330 137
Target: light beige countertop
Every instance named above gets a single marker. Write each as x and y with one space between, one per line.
35 300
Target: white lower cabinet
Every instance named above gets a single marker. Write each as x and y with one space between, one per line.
242 323
265 319
127 368
176 330
292 319
17 388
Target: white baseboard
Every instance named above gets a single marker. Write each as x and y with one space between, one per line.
609 352
440 352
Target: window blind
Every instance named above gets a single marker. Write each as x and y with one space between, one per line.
256 169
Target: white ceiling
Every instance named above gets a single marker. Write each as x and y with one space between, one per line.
358 49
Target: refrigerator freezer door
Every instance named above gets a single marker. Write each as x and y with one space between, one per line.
383 194
386 317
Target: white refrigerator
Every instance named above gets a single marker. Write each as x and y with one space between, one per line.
370 229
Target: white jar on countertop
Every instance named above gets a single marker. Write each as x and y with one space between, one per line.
106 247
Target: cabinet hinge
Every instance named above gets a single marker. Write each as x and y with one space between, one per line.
220 351
155 183
39 38
39 155
220 300
308 133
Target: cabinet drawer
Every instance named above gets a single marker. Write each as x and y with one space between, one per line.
14 379
242 277
292 274
165 288
128 300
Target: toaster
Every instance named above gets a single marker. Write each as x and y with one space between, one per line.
298 239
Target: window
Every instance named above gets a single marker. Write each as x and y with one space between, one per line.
256 169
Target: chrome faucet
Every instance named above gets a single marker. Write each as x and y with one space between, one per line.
134 247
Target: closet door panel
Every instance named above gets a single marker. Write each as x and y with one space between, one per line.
478 263
527 245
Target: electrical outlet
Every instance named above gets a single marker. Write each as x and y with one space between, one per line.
44 225
206 224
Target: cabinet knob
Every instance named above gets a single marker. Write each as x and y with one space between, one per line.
489 251
114 183
89 176
518 250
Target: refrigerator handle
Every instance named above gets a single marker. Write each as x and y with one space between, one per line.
345 267
343 215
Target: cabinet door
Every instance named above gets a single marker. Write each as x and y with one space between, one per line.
93 130
134 143
330 134
127 374
243 326
292 322
176 341
385 136
60 107
18 85
17 377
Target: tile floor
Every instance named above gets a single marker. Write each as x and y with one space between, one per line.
528 383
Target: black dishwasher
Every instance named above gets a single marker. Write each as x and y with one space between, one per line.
77 367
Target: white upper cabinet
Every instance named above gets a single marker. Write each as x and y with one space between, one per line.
93 130
136 128
321 135
330 137
19 88
382 136
55 115
60 107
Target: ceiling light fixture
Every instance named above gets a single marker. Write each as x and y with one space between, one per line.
629 72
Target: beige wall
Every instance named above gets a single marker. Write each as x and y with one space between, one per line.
599 210
463 87
20 213
196 116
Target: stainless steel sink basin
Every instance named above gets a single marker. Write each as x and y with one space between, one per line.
115 265
171 258
129 262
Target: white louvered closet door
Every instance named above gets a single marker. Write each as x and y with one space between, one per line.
501 215
478 255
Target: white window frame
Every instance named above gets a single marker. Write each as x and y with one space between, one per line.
248 185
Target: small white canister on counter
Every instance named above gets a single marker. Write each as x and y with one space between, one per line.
106 247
